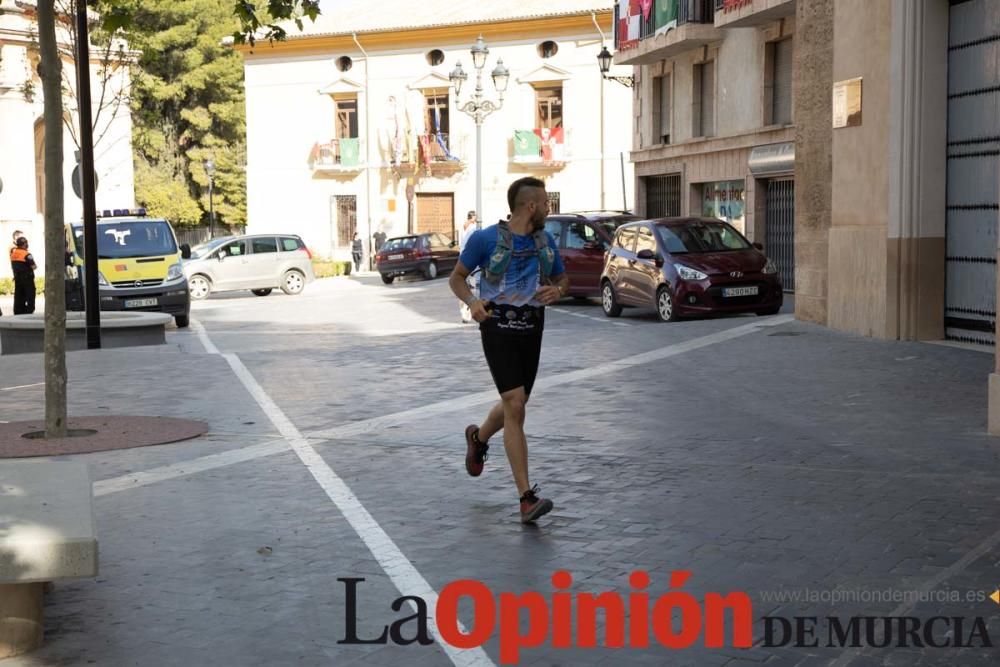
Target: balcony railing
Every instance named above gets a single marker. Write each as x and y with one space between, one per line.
436 148
337 155
688 11
542 146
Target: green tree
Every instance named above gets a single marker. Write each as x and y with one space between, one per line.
188 107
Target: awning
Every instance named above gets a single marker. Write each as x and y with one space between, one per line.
772 159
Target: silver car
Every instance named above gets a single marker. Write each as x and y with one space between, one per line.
257 262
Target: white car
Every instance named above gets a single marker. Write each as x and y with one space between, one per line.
256 262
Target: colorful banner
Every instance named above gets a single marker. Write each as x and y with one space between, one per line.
527 143
629 22
551 140
666 16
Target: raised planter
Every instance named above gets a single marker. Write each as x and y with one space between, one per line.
24 334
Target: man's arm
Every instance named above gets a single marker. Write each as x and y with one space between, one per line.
557 288
461 289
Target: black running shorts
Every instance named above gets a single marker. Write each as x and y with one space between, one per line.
513 357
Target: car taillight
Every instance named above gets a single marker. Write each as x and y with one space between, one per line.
308 252
420 252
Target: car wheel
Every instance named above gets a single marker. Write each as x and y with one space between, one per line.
199 286
293 282
665 305
769 311
182 321
431 272
388 279
608 300
262 292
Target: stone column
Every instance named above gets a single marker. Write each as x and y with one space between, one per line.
811 87
20 618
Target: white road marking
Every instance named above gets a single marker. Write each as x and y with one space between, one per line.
397 566
23 386
136 480
605 320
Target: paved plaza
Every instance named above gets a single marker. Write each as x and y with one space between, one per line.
762 454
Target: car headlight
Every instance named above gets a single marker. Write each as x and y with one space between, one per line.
175 272
769 267
687 273
101 280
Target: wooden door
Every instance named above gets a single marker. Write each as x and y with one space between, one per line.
436 213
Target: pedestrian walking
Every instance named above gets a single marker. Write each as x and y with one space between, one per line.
521 273
357 251
473 280
23 265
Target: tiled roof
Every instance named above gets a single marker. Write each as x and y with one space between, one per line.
343 17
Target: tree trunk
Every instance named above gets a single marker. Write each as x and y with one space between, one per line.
50 69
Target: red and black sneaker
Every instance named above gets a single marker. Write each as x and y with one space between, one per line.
475 451
532 506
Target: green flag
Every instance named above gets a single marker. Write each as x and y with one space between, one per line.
527 143
349 152
665 15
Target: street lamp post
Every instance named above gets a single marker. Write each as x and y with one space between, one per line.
210 170
479 108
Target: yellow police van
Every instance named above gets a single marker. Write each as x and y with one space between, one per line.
139 262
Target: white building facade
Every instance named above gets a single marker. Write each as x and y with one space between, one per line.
352 124
22 136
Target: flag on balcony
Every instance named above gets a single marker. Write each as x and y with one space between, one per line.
647 7
527 143
629 23
551 141
666 16
350 152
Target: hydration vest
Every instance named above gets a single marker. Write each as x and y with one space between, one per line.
500 259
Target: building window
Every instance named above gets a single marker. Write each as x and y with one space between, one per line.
663 195
553 202
435 57
703 112
547 49
436 112
346 211
344 63
548 107
662 109
778 82
347 118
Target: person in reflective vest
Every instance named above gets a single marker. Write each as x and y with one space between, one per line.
23 265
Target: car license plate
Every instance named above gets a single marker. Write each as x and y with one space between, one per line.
739 291
395 257
139 303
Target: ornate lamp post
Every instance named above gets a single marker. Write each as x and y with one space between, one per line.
210 170
479 108
604 61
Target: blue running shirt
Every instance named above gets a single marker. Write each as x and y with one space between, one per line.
518 285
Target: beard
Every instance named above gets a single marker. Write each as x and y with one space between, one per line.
538 221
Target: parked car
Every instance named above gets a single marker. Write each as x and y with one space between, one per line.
583 239
255 262
425 254
688 266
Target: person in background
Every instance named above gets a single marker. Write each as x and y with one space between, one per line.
23 265
379 238
357 251
473 279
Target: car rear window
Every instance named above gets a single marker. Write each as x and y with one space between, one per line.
291 243
405 243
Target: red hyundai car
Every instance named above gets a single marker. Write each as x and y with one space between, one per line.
583 238
688 266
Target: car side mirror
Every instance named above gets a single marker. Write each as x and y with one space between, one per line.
221 256
185 251
758 245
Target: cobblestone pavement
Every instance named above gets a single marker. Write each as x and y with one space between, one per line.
762 454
